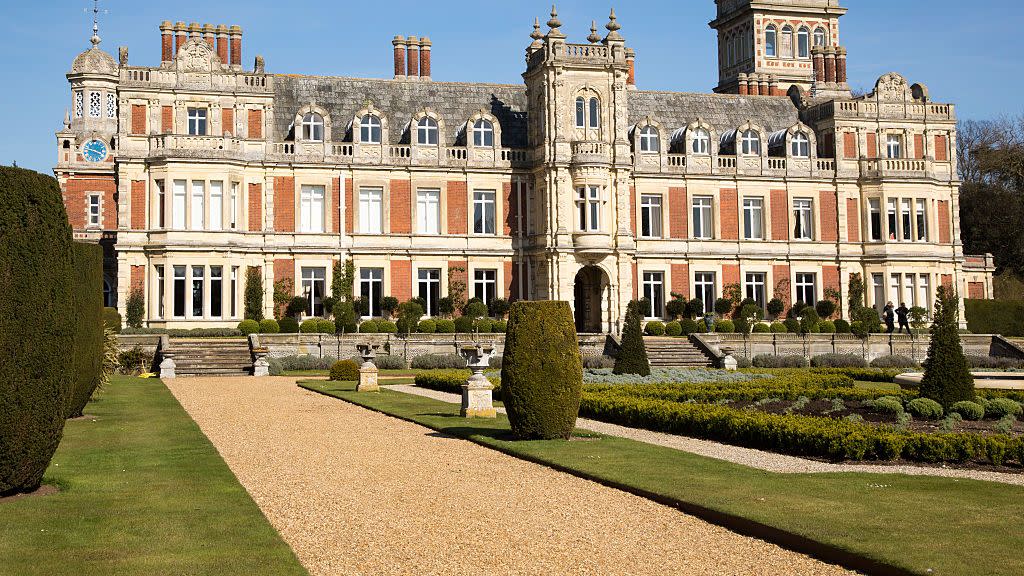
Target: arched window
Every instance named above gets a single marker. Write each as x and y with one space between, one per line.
595 113
701 142
369 129
109 295
426 131
649 141
313 127
787 42
819 37
800 146
581 112
730 51
803 43
483 134
770 41
750 143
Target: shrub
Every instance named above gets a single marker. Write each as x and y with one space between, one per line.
388 362
825 308
389 305
445 326
776 307
438 361
778 328
792 326
409 314
427 326
999 407
499 326
446 306
463 325
925 408
772 361
809 323
134 361
689 326
306 362
274 367
475 309
36 329
87 347
324 326
297 306
387 327
723 306
654 328
542 376
309 326
888 405
842 326
694 308
1004 317
675 308
740 326
134 307
498 307
968 410
289 325
344 317
112 319
725 327
673 328
993 362
839 361
269 326
496 362
248 326
893 362
947 378
368 327
869 320
344 371
632 358
598 362
253 293
826 327
761 328
483 325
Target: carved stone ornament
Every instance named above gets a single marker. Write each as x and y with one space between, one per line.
892 87
197 56
94 61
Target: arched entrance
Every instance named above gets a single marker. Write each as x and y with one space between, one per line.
589 293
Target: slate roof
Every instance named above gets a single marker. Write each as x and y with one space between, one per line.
724 112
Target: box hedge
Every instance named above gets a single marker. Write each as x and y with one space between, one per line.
344 371
1004 317
88 343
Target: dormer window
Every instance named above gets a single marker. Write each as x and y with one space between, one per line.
369 129
750 143
483 134
426 131
313 127
701 142
197 121
649 141
819 37
803 43
800 146
770 42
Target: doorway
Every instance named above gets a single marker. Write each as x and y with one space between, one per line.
588 303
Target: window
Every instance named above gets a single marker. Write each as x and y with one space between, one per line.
161 203
753 218
179 291
787 42
751 142
755 288
892 218
649 141
909 293
703 227
234 291
595 113
654 292
894 287
906 216
197 121
704 289
701 142
803 41
94 104
313 127
875 215
483 134
159 291
178 204
588 204
805 289
485 285
770 40
111 106
216 291
924 293
819 37
371 210
426 131
483 212
894 146
650 216
216 206
800 146
234 206
803 219
581 112
79 104
94 210
428 211
878 285
588 113
922 220
311 202
109 294
197 291
314 284
369 129
198 204
371 288
428 284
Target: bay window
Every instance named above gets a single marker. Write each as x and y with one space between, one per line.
588 204
922 220
216 291
216 205
178 202
198 205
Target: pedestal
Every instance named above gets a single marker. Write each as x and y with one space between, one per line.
167 368
477 398
367 378
261 367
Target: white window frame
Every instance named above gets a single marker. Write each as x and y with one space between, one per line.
800 146
756 287
370 129
803 42
806 284
701 142
158 271
771 41
371 210
312 208
312 127
216 290
753 218
197 290
483 133
893 146
216 205
921 218
650 216
875 222
820 37
654 291
702 209
705 289
750 143
649 140
427 131
803 219
588 208
179 204
892 219
234 206
371 283
485 212
906 219
198 204
485 283
314 287
180 273
198 122
428 285
428 211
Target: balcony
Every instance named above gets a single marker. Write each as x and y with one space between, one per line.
593 246
590 152
186 146
886 168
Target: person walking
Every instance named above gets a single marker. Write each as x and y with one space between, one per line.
887 317
901 315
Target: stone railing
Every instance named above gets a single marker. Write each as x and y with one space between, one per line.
585 52
228 80
195 146
590 152
894 168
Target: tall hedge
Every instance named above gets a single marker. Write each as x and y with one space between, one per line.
253 293
87 260
947 376
37 325
542 372
1004 317
632 358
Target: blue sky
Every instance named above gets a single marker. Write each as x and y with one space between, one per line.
966 55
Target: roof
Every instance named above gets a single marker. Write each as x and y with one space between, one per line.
724 112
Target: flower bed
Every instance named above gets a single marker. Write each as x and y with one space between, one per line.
669 376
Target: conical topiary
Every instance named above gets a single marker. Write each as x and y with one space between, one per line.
632 357
541 370
947 376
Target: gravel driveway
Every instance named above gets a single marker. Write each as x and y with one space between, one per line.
356 492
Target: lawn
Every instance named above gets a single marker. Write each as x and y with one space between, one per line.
902 524
142 491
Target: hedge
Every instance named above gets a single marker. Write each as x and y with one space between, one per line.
344 371
1004 317
37 325
88 343
452 381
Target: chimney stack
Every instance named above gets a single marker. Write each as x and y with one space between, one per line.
223 51
763 81
210 34
841 65
818 55
425 58
830 64
235 34
166 41
742 80
413 59
631 60
180 36
399 43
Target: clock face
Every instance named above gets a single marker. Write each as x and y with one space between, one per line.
94 151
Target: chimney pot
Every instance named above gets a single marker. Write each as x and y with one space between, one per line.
235 36
223 49
830 65
209 32
741 80
399 43
166 41
425 45
413 59
180 36
841 65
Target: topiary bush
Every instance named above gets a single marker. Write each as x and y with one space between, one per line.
689 326
112 319
542 373
654 328
344 371
409 314
842 326
247 327
632 358
925 408
368 327
968 410
826 327
776 307
37 325
778 328
87 260
725 327
253 293
386 327
427 326
134 308
761 328
839 361
673 328
309 326
269 326
325 326
792 326
999 407
499 327
463 325
289 325
445 326
895 361
344 317
825 308
947 378
888 405
483 325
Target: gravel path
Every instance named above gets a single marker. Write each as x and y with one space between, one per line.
356 492
768 461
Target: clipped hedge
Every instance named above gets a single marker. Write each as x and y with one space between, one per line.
269 326
248 326
344 371
88 343
1004 317
772 361
925 408
839 361
452 381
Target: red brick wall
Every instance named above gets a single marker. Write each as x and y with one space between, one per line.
167 119
349 208
510 207
138 205
401 279
284 204
872 151
852 220
944 235
78 188
919 146
335 204
829 217
780 215
636 284
458 216
227 121
633 210
976 290
681 279
947 279
730 274
401 207
139 119
850 145
780 273
679 213
941 148
255 207
138 278
255 124
458 276
728 206
830 277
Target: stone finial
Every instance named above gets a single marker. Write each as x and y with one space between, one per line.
554 23
613 27
537 35
67 119
594 38
122 55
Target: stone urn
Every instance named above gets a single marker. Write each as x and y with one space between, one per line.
477 399
368 371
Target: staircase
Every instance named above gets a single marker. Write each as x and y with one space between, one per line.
675 352
211 357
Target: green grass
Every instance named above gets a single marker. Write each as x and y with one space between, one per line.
912 523
142 491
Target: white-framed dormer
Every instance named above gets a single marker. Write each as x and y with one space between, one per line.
313 127
426 136
483 137
370 134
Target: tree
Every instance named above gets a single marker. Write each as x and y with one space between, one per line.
776 307
855 292
409 314
389 305
947 376
632 358
89 332
284 289
676 307
254 293
135 308
344 317
342 279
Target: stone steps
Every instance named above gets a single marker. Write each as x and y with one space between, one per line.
674 352
207 357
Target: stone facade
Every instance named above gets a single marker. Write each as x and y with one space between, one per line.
573 185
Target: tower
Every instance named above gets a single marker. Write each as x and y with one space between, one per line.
767 46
